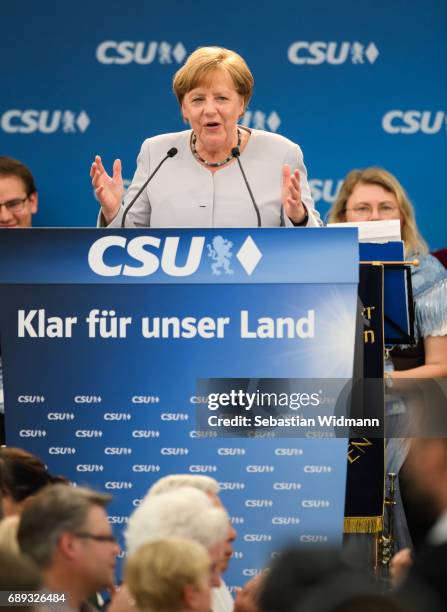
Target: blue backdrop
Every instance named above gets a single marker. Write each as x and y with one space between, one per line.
355 83
117 412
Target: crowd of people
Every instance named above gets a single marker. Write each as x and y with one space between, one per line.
55 538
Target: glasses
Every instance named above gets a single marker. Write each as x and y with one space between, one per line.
98 538
15 206
364 211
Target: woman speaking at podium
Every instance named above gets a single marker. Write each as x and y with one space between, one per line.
216 174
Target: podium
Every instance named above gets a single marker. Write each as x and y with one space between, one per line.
109 338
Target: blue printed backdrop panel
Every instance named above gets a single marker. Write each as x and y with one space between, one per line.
117 413
354 83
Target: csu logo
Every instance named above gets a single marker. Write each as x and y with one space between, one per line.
117 450
202 469
286 486
174 416
118 520
117 484
414 121
144 467
117 416
87 399
315 503
320 52
60 416
259 120
288 452
285 520
257 537
317 469
173 451
194 433
145 399
88 433
31 399
230 451
307 537
258 503
61 450
231 486
145 433
148 262
250 572
44 121
259 469
32 433
89 467
143 53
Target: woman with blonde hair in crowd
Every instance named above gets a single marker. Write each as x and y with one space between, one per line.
170 575
374 194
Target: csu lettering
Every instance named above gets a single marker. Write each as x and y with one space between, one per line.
413 121
149 261
140 52
44 121
319 52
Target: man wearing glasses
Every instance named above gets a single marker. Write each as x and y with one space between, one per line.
65 531
18 203
18 195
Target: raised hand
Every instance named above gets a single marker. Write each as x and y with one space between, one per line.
291 195
109 189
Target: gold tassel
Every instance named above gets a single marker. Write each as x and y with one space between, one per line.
363 524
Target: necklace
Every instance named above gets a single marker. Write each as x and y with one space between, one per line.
213 164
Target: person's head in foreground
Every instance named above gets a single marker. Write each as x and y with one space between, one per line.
322 579
65 531
208 485
18 574
186 513
172 575
374 194
213 89
22 475
18 195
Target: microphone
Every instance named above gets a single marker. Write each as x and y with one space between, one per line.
170 153
235 152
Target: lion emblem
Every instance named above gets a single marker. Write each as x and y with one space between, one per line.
220 253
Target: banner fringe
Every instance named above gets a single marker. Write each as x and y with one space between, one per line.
363 524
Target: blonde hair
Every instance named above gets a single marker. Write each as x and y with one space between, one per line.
203 63
414 243
158 572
